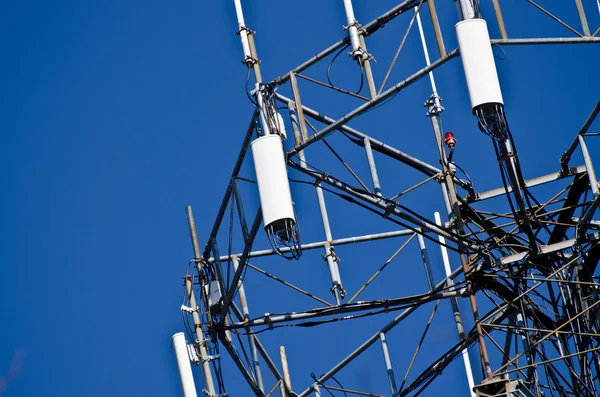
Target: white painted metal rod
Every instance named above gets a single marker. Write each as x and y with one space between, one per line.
184 366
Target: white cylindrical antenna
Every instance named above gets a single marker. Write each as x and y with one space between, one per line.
478 63
243 32
275 196
357 51
184 366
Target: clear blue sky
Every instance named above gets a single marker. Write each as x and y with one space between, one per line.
117 114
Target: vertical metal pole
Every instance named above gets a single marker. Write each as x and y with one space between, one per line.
448 187
388 364
366 63
455 309
331 263
299 110
246 314
247 38
359 48
263 114
205 365
436 28
317 390
243 32
183 364
582 18
256 64
329 253
357 51
499 19
446 199
435 111
286 385
427 60
465 9
426 263
372 168
589 167
485 359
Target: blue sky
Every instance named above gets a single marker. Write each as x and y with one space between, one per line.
116 115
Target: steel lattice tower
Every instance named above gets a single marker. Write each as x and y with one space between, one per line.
519 261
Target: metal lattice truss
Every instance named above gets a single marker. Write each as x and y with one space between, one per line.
528 269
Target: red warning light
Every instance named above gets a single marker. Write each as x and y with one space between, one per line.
449 139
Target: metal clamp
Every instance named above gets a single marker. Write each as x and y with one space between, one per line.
433 103
331 254
268 320
189 309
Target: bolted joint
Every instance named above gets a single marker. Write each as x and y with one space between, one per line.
189 309
245 29
338 287
249 61
331 254
434 106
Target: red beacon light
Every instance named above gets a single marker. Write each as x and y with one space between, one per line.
449 139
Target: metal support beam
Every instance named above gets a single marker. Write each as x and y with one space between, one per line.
582 18
299 111
228 298
564 159
227 196
321 244
386 304
388 364
455 308
251 340
547 40
499 19
368 29
388 210
189 285
436 28
338 367
366 64
372 167
540 180
373 102
376 145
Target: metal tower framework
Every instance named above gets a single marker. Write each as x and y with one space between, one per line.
528 271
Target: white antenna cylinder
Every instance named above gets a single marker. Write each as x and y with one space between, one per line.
184 366
272 180
243 32
478 62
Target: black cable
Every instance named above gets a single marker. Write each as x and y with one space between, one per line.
341 387
463 171
314 377
248 92
382 214
362 75
389 202
332 61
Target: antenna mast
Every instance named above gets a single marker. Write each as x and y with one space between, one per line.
514 268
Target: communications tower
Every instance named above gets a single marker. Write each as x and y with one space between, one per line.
366 248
